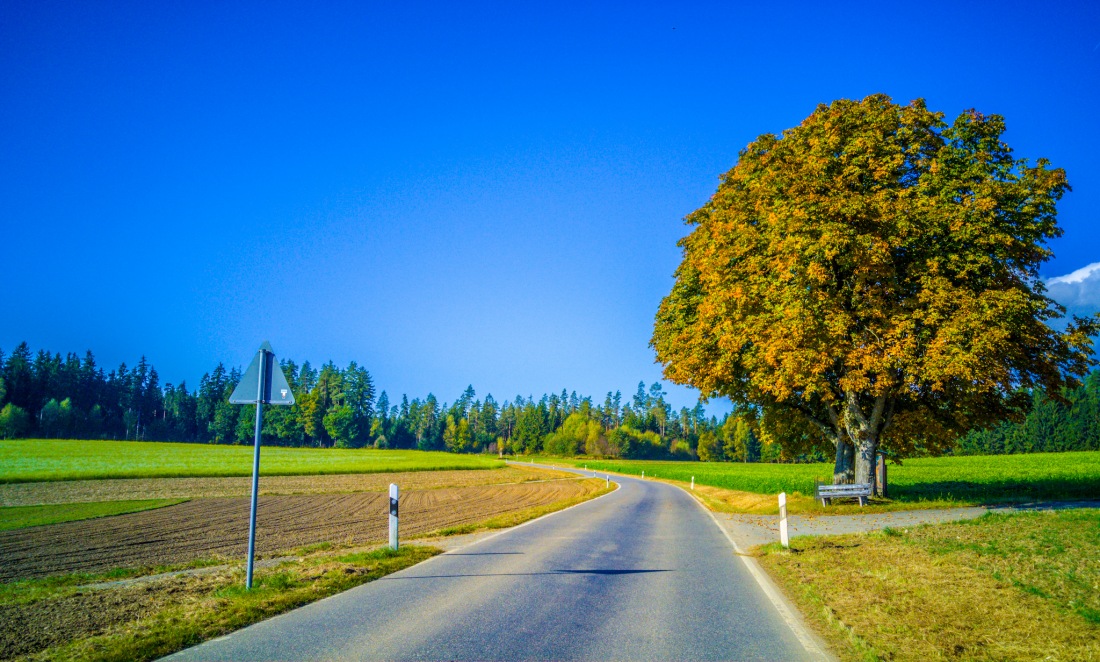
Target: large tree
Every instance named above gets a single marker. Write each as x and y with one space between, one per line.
872 276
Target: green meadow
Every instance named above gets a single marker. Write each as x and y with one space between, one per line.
20 517
25 460
970 479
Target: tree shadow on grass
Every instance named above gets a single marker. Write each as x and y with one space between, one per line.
1016 490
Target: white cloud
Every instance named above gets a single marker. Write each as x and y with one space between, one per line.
1078 291
1078 276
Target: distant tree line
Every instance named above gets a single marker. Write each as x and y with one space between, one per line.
47 395
1052 425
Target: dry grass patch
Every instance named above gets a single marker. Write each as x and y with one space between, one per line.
724 500
1003 587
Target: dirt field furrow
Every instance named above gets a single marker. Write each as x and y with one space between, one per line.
218 527
122 489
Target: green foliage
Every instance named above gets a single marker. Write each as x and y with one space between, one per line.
14 422
341 426
710 449
76 398
739 441
577 435
1071 422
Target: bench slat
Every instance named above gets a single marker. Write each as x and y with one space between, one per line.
826 492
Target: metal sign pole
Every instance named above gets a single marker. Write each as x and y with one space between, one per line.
256 468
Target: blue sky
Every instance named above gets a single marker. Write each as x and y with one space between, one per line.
452 193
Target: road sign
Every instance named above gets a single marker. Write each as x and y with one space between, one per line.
274 389
263 383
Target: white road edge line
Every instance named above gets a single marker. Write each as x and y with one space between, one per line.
790 615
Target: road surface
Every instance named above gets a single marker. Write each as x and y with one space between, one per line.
641 573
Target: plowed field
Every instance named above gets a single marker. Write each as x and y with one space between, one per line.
206 528
124 489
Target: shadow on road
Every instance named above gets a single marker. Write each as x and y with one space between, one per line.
608 572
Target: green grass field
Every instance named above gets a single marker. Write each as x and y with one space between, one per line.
971 479
25 460
20 517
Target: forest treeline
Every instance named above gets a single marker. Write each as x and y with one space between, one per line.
47 395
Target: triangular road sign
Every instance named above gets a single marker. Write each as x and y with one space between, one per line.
274 391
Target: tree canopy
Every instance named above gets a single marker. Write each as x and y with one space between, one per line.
871 277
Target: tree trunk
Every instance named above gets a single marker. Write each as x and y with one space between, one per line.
843 471
865 461
864 431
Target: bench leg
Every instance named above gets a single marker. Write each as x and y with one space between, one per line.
861 499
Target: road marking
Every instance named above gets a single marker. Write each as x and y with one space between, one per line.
808 640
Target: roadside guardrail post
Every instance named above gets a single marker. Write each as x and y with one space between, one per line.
393 516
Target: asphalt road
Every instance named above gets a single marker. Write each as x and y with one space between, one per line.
641 573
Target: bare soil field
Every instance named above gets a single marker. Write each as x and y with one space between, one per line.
218 527
27 628
125 489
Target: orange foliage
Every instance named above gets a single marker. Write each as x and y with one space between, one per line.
874 271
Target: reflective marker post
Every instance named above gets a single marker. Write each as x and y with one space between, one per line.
272 389
393 516
783 520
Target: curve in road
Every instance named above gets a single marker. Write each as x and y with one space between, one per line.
640 573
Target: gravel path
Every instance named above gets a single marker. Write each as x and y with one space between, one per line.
752 530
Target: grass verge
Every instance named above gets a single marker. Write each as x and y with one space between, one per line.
1002 587
56 620
21 517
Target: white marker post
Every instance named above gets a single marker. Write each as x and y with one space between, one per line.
608 478
693 483
643 473
393 516
783 520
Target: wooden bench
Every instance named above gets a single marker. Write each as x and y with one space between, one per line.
828 492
